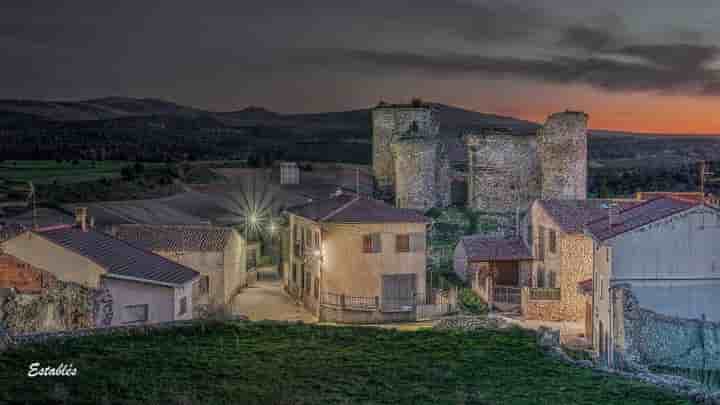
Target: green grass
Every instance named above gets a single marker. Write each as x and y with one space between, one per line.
48 171
269 363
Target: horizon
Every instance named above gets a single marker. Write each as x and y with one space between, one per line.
369 107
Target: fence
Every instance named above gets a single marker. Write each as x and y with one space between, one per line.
545 294
435 303
350 302
507 295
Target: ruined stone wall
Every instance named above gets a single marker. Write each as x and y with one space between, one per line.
61 306
562 149
389 123
443 177
503 170
416 162
646 337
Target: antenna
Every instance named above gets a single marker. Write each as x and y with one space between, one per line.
357 182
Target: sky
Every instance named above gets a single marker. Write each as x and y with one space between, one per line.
632 65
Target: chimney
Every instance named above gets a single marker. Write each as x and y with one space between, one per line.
613 215
81 218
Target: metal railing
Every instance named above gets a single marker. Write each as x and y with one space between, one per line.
545 294
349 301
507 295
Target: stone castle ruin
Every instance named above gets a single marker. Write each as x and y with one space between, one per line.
506 170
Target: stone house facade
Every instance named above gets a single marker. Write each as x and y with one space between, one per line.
133 285
355 260
656 275
217 253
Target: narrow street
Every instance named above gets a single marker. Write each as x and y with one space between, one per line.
266 301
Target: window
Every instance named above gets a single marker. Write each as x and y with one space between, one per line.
294 278
402 243
183 306
317 239
371 243
308 281
135 313
317 288
204 285
553 241
541 243
417 242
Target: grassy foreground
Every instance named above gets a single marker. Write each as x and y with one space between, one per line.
269 363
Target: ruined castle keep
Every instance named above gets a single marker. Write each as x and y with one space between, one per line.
509 170
409 159
506 170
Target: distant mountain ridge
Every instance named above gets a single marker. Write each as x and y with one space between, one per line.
453 119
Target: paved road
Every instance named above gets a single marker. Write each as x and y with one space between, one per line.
265 300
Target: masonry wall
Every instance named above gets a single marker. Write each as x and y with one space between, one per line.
659 340
389 122
416 167
19 275
503 171
562 149
160 300
571 263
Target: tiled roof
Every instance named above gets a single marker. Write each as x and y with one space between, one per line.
639 215
572 215
650 195
480 248
192 238
118 257
346 208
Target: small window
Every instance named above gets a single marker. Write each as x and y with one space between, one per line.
183 306
308 281
417 242
371 243
317 288
135 313
607 255
541 243
553 241
204 285
402 243
294 278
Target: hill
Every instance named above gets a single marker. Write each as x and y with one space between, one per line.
275 363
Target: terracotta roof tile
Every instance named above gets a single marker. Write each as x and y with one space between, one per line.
346 208
572 215
481 248
637 216
192 238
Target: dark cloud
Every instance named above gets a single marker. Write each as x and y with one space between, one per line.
603 73
687 57
588 38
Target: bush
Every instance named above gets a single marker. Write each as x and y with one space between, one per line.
471 302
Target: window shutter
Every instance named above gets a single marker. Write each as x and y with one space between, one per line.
376 243
367 244
417 242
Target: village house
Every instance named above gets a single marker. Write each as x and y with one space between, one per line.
655 283
134 285
536 273
354 259
217 253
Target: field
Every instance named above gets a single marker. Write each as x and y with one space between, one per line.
271 363
48 171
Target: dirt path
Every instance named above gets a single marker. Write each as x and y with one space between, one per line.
266 301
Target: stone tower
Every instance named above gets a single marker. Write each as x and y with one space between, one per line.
503 170
389 122
422 171
562 149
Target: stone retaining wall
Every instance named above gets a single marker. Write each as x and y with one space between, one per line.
657 340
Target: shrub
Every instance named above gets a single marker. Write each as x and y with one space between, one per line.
471 302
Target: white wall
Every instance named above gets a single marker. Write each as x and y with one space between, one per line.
686 245
160 299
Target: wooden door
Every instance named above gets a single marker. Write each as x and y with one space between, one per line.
398 291
507 274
